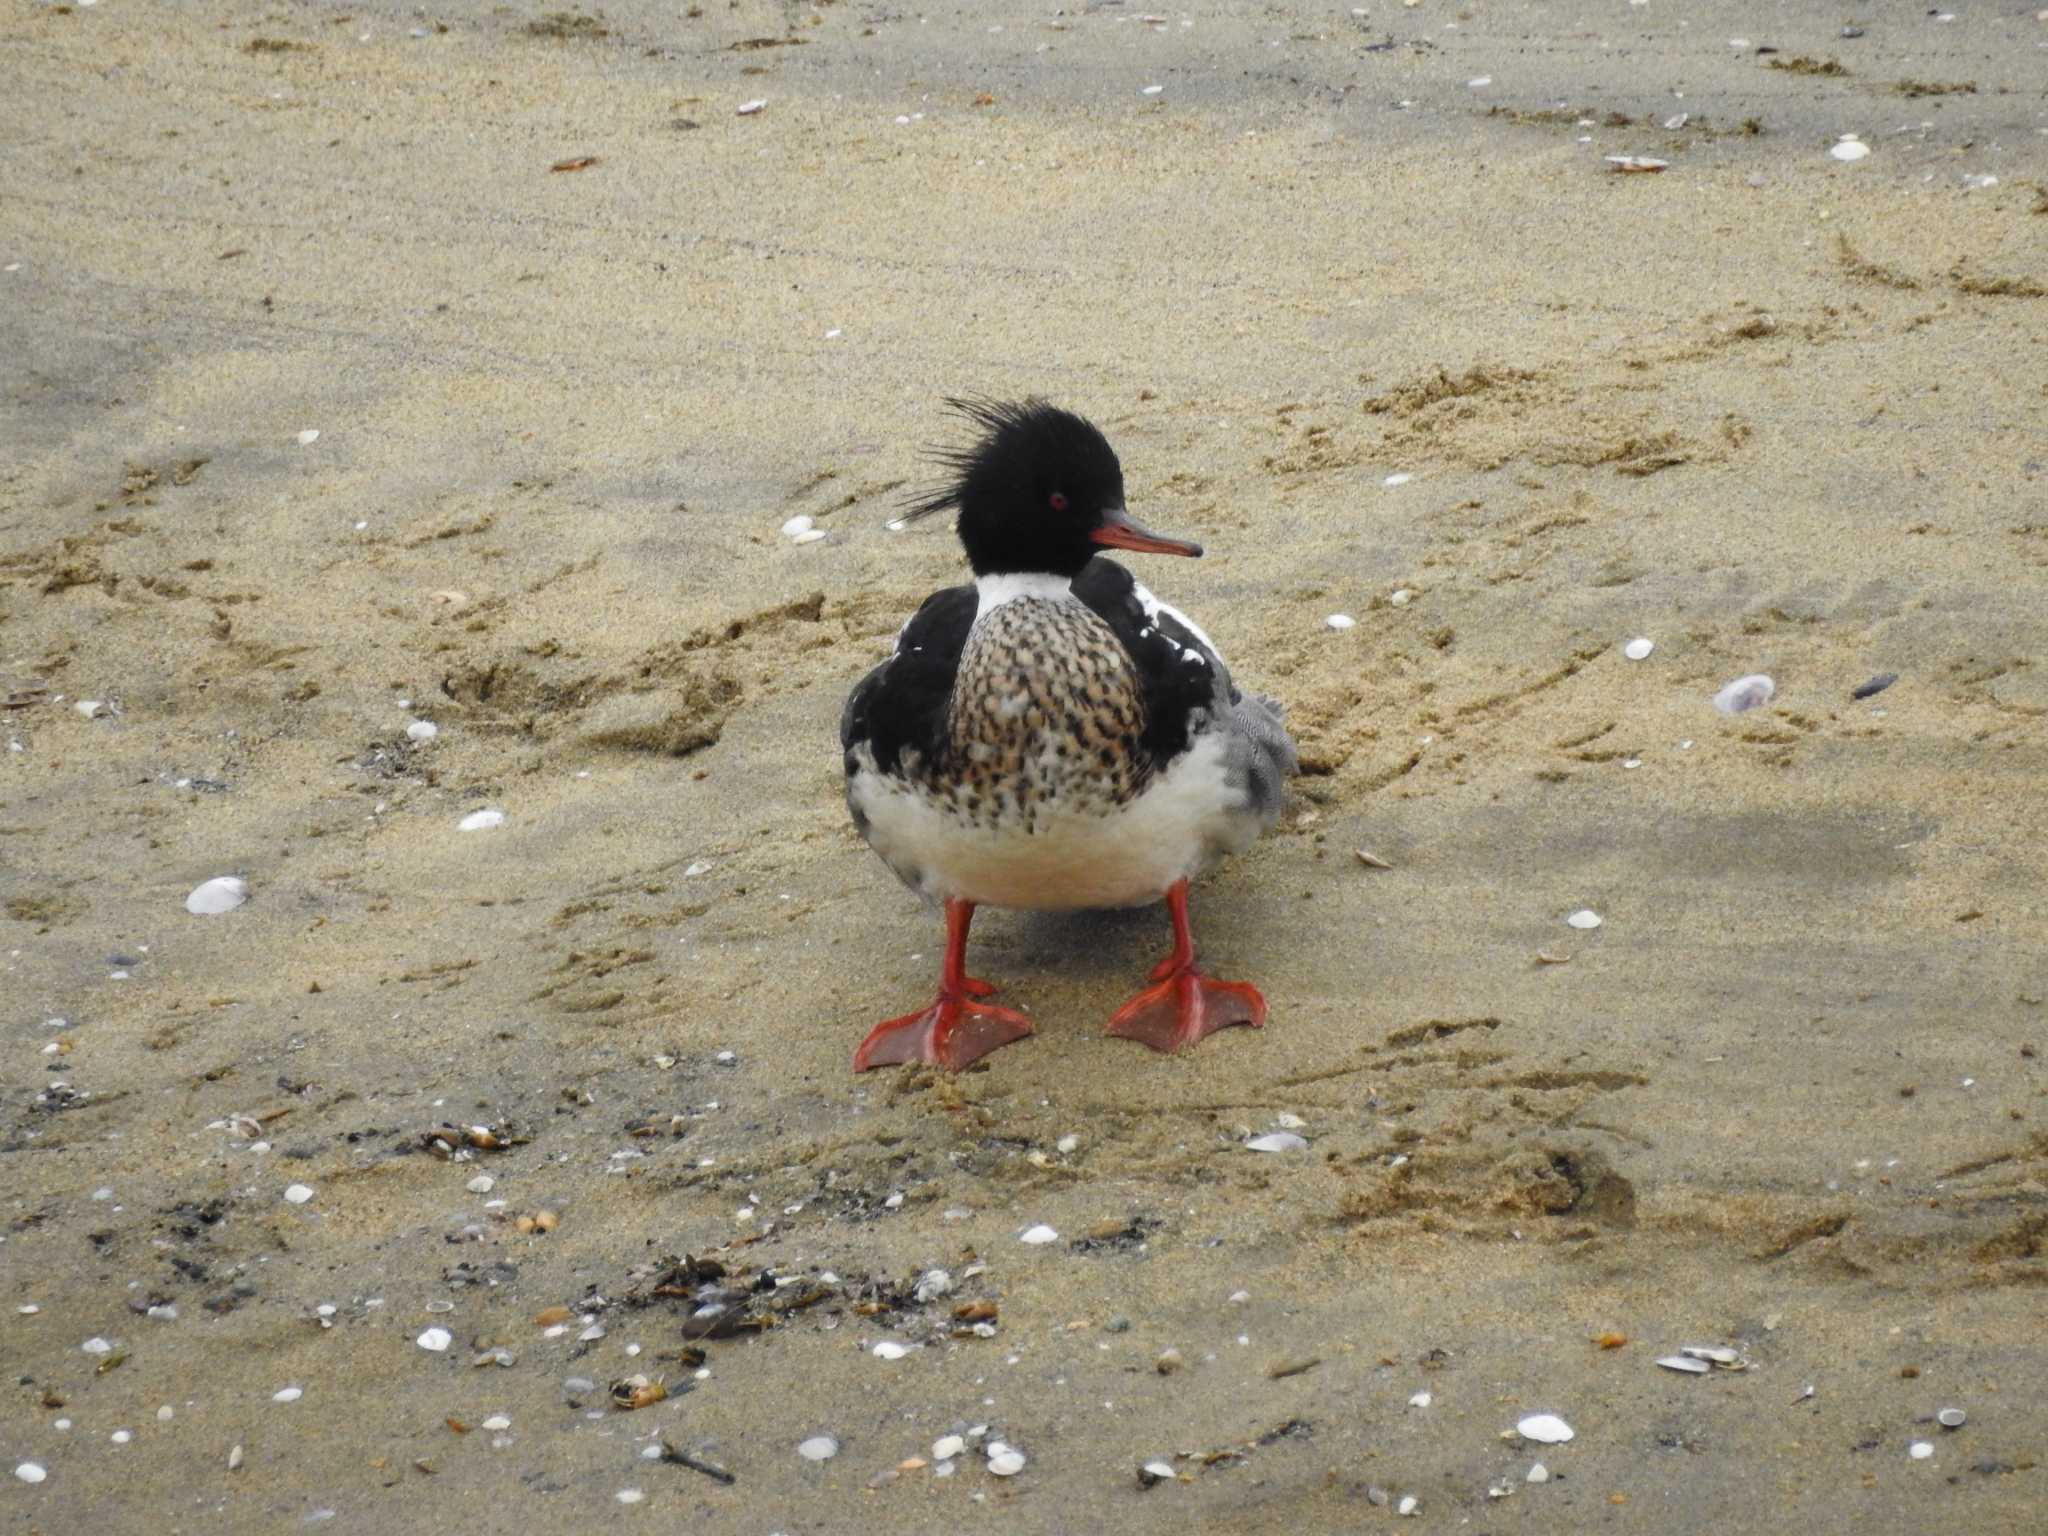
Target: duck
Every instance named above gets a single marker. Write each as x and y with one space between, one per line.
1053 737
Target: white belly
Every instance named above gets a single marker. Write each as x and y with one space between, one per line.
1124 856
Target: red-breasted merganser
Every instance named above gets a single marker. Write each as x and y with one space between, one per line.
1055 737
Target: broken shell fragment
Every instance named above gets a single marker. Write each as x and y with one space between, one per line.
1640 164
1153 1473
1277 1141
1369 859
630 1392
1745 693
1713 1355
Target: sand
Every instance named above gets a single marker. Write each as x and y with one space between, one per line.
1777 412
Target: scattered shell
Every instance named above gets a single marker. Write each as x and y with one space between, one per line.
1420 1400
482 1184
309 437
795 526
1849 148
479 821
1401 597
1544 1428
1712 1353
1339 621
1640 164
1745 693
1408 1505
1538 1473
1920 1450
1038 1234
1006 1462
889 1349
298 1194
1951 1418
818 1448
1151 90
1153 1473
92 709
1639 647
1553 957
223 893
946 1447
1168 1362
630 1392
287 1394
435 1339
1369 859
810 537
1585 918
31 1472
1289 1122
1684 1363
1277 1141
629 1495
422 730
1398 479
235 1458
749 108
1067 1144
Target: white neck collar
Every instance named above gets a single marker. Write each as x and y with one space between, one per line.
1008 586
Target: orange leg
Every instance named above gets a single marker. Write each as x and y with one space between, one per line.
956 1030
1183 1004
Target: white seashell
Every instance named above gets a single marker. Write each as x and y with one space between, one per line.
309 437
749 108
1745 693
482 1184
1544 1428
946 1447
1585 918
422 730
497 1421
1684 1363
818 1448
1537 1473
1038 1234
223 893
810 537
298 1194
795 526
1713 1353
1289 1122
889 1349
435 1340
1647 165
630 1495
92 709
1408 1505
1639 647
1920 1450
287 1394
1067 1144
1420 1400
1277 1141
1850 149
1006 1462
1162 1471
480 821
31 1472
1401 478
97 1346
1151 90
1339 621
1401 597
1951 1418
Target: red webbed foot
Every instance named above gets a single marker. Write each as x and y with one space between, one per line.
1184 1004
958 1029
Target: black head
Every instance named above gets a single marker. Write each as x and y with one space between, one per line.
1040 491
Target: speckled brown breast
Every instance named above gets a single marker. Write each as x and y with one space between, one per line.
1046 712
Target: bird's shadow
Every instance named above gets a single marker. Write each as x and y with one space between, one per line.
1109 942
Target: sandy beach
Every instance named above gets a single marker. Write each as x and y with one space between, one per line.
375 365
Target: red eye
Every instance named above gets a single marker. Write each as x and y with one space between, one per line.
1059 502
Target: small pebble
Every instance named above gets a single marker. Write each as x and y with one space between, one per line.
1067 1144
287 1394
96 1346
1585 918
629 1495
1168 1362
482 1184
1339 621
1401 597
422 730
298 1194
818 1448
309 437
1408 1505
221 894
235 1458
1544 1428
435 1339
1638 648
122 1436
479 821
1538 1473
1849 149
1038 1234
1745 693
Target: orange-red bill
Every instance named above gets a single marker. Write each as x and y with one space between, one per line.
1120 532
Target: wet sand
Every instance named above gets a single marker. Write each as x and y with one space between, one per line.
1777 412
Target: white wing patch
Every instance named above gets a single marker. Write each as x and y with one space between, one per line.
1154 607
